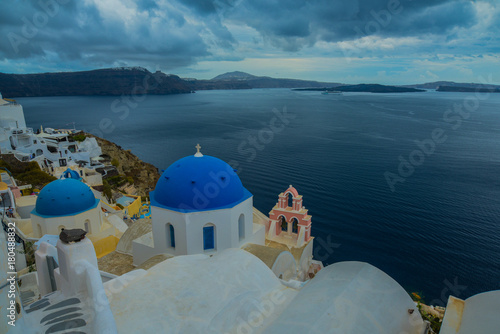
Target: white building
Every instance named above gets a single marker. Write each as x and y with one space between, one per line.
55 149
199 206
69 204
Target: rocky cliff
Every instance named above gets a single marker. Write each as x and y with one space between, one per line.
143 174
114 81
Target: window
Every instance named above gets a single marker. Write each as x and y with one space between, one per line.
87 226
241 227
171 235
284 224
295 225
209 237
290 200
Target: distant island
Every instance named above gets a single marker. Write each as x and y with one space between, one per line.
138 81
453 86
467 89
242 80
370 88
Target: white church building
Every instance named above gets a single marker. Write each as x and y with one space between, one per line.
68 203
199 206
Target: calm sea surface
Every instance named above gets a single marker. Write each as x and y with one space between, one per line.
437 233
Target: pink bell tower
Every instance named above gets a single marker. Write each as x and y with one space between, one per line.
288 223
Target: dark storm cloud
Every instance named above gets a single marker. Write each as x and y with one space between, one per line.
202 7
70 30
209 6
147 5
436 19
173 33
301 23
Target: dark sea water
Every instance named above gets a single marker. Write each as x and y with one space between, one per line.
437 233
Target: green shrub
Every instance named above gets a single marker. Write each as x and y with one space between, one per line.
435 321
106 189
35 178
116 181
5 164
79 137
29 173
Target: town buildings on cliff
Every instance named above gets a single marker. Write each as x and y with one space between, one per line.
49 148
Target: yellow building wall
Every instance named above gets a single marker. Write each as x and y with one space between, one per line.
26 192
105 246
134 208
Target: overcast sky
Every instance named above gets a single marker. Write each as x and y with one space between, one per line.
349 41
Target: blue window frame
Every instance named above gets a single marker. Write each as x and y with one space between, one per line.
172 235
208 237
241 227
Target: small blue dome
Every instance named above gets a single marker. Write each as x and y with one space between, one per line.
70 174
64 197
198 183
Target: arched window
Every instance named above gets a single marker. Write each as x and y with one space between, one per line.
87 226
241 226
39 230
295 225
290 200
284 224
208 237
170 235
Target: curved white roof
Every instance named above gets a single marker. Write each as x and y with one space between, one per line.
235 292
478 314
350 298
201 294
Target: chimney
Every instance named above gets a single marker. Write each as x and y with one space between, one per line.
73 250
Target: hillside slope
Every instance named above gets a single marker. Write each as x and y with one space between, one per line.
243 80
117 81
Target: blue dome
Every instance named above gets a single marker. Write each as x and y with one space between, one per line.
70 174
198 184
64 197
